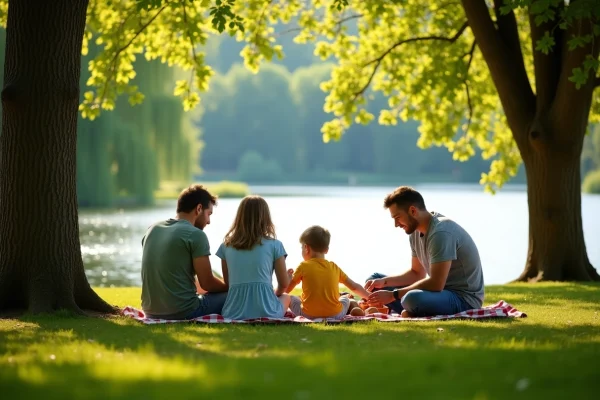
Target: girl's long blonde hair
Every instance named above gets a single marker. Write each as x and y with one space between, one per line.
252 223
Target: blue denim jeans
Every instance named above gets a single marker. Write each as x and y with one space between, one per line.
423 303
210 303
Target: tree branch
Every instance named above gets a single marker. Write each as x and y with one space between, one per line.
118 52
570 100
506 67
508 29
466 82
546 66
338 24
597 82
192 46
377 61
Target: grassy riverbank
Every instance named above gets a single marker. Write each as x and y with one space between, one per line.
553 353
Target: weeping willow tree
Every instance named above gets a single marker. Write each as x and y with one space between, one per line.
122 156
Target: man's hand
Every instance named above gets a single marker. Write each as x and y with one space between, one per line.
380 298
373 284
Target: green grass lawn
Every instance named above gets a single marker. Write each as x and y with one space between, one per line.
553 353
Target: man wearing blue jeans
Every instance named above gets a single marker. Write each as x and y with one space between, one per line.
445 275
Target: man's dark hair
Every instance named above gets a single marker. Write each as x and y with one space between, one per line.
190 197
316 237
404 197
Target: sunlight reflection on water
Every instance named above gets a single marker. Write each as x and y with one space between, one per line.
364 239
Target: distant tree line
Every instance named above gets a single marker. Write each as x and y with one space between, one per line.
266 128
123 155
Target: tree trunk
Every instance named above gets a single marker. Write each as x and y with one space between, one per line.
41 269
557 250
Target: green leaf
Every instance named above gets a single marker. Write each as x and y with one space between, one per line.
148 4
136 98
546 43
579 77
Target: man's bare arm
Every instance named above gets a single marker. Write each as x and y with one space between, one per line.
206 277
435 283
414 274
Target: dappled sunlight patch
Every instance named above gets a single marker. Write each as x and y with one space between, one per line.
521 344
152 367
7 325
122 296
516 293
325 362
32 374
362 328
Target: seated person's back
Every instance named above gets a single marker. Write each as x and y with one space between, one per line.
168 289
320 287
176 250
250 255
321 280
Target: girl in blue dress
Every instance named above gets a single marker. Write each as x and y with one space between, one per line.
250 254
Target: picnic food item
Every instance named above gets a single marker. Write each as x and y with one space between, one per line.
363 304
357 312
374 310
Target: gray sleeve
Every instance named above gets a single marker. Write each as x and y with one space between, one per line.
199 245
411 240
441 247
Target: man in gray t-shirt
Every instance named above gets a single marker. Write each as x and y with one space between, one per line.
174 252
445 276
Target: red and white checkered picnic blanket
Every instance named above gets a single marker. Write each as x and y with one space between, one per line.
499 310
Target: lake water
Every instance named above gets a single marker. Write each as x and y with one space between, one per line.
363 239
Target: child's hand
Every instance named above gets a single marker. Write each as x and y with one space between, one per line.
290 273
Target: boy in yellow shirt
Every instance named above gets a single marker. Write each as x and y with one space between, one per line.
320 280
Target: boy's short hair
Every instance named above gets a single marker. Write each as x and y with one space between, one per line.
316 237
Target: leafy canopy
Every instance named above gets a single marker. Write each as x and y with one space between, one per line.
423 59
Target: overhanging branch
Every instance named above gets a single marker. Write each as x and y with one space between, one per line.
377 61
506 66
570 99
338 24
508 28
466 82
192 45
546 66
122 49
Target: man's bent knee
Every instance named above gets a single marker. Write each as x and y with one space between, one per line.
375 275
411 300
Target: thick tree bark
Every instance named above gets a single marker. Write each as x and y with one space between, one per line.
548 127
41 269
557 250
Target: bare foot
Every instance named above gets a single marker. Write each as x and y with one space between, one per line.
357 312
406 314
